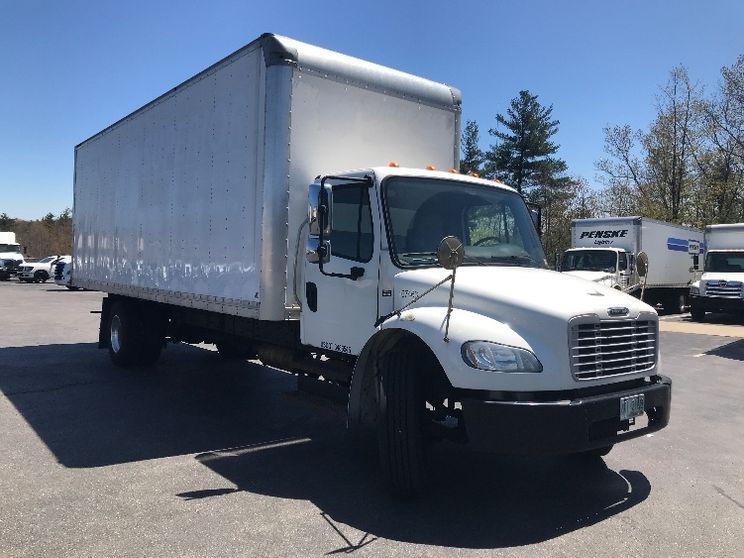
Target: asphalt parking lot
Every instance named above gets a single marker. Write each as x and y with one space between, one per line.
211 458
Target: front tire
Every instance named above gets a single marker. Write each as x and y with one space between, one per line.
40 276
402 407
697 313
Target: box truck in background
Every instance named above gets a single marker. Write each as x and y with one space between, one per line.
11 257
221 213
606 250
720 287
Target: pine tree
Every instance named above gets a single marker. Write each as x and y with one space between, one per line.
472 155
523 156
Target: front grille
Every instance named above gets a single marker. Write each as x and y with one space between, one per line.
25 268
602 348
723 289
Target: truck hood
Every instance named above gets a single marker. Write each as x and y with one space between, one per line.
510 294
595 276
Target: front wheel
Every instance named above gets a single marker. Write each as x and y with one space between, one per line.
697 313
40 276
402 407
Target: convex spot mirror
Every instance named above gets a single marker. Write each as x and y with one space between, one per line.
642 264
320 210
451 252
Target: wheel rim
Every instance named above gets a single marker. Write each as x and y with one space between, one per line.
115 333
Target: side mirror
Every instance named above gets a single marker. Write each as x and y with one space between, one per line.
319 210
451 252
315 252
642 264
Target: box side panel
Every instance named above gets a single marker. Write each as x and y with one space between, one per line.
618 233
165 201
338 126
667 249
725 237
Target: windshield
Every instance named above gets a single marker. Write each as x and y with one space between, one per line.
590 260
10 248
493 224
724 262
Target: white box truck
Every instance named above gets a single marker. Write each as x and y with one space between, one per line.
605 250
11 257
720 287
221 213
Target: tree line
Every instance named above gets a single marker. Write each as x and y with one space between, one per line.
41 237
687 167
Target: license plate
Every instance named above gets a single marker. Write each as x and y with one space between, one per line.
632 406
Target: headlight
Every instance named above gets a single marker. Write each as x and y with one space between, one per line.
694 291
499 358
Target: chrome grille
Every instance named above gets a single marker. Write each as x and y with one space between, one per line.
612 347
723 289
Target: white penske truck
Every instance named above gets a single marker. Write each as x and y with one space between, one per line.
283 204
720 287
11 257
606 250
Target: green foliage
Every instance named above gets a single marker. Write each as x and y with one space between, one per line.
7 223
688 167
42 237
472 155
523 155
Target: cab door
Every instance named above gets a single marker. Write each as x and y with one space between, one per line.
340 292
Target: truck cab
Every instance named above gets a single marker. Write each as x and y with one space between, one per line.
500 352
611 267
720 288
11 257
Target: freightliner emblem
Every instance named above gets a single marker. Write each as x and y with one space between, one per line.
722 283
618 311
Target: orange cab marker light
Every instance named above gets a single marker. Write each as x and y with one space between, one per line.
454 171
475 174
393 164
431 167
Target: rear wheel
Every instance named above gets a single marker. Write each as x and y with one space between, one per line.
135 335
401 424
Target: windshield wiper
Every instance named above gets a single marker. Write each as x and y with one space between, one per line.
523 261
419 257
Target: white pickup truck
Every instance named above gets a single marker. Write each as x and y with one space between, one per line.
218 213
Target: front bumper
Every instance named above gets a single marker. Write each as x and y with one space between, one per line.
585 420
717 304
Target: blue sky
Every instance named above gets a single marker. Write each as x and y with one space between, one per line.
70 68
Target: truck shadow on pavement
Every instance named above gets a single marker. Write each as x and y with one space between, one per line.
250 425
475 500
731 351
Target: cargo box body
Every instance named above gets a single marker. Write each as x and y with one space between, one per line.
197 199
666 245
